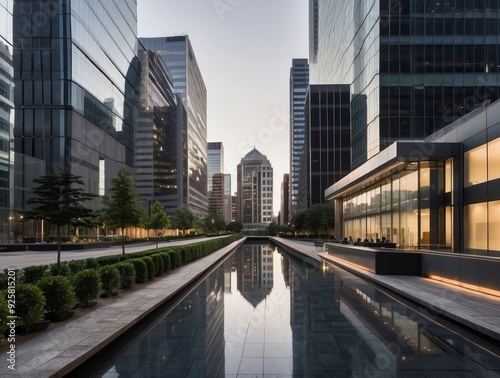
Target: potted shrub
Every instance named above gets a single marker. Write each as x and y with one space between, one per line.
59 297
29 309
87 284
110 280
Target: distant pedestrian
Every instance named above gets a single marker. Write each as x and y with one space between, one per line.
351 242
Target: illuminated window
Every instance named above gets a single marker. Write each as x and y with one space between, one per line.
475 168
494 225
448 175
494 159
475 226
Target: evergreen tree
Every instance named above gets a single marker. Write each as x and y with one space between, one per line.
58 200
158 219
123 208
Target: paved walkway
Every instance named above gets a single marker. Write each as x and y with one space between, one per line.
480 312
63 346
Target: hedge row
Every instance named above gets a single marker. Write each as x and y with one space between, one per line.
43 288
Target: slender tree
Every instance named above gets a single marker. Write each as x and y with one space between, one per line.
58 199
158 219
123 207
184 218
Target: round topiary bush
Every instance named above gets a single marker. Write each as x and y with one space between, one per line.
58 292
110 279
151 266
76 265
158 264
30 302
61 270
141 270
166 261
33 274
87 284
174 259
127 274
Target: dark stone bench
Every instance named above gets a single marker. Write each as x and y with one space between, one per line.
379 245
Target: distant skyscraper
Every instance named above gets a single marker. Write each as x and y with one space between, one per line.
413 66
299 80
178 56
76 76
285 200
215 153
157 149
327 145
255 191
6 120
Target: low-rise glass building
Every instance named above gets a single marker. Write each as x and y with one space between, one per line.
439 193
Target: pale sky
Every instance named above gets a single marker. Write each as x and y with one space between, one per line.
244 49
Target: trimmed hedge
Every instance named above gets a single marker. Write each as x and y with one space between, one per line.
110 279
151 266
62 270
4 312
33 274
30 302
158 264
58 292
141 270
76 265
87 285
127 274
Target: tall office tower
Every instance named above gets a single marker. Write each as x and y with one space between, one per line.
6 120
227 198
326 157
216 196
285 200
157 146
178 56
413 66
234 207
76 75
215 154
299 80
255 191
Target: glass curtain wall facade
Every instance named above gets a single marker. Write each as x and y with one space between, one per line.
403 208
299 81
6 122
413 66
178 56
156 135
76 75
327 142
215 153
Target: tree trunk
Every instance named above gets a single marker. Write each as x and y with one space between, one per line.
123 242
58 249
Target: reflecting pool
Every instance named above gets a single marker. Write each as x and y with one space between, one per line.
263 313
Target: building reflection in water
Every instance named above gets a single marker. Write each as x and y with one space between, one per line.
264 313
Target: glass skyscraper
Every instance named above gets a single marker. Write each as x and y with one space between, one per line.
76 76
157 148
6 118
178 56
299 80
413 66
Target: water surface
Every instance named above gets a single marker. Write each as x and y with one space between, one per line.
265 314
